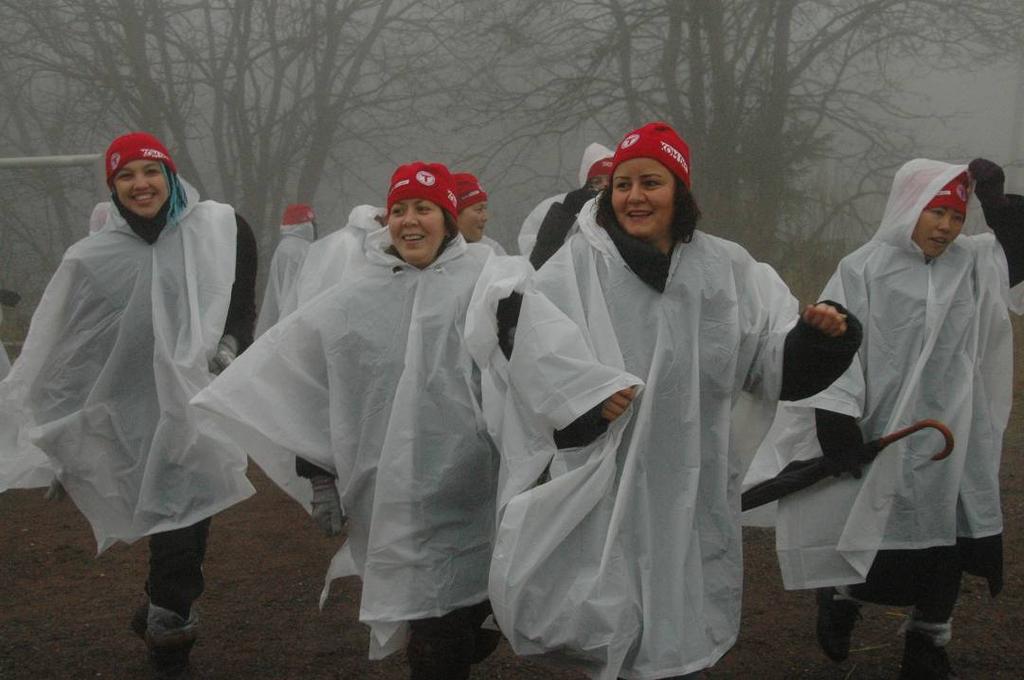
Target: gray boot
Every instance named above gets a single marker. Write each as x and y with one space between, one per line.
169 638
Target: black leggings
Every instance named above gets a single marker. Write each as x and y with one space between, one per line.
928 579
176 567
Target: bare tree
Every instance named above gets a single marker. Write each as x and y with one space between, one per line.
762 91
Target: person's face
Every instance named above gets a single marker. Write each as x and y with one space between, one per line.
598 182
643 191
141 187
416 226
936 228
472 221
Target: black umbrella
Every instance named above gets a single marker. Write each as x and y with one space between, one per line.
800 474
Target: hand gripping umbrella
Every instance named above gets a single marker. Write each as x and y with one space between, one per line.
800 474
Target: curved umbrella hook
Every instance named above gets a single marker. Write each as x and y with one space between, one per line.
920 425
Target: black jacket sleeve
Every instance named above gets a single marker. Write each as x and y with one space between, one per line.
551 235
1007 221
241 321
812 360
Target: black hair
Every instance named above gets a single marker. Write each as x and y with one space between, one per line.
685 212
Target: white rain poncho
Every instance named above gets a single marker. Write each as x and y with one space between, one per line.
334 256
99 217
493 245
284 273
629 561
937 344
119 344
531 225
372 381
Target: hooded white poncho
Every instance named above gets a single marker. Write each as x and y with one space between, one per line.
119 344
531 225
629 561
371 380
937 344
334 256
284 272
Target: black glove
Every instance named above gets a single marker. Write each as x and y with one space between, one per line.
988 182
841 441
574 200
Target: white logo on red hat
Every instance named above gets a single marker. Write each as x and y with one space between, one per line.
153 153
961 192
425 178
675 154
115 158
630 140
399 183
451 197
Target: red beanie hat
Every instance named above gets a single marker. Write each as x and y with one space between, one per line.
601 167
953 195
468 190
297 213
429 181
658 141
132 147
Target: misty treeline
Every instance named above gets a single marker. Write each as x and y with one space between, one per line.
794 110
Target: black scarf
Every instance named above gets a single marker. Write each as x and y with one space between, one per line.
643 259
147 228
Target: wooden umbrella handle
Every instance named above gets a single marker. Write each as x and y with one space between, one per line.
920 425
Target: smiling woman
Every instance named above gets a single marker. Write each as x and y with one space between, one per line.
136 320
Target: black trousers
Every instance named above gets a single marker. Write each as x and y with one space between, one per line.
444 647
176 567
928 579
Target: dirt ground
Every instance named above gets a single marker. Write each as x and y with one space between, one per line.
64 613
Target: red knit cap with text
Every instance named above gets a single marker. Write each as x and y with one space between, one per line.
660 142
468 190
429 181
600 168
297 213
953 195
132 147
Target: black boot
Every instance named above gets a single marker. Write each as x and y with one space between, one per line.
836 619
922 660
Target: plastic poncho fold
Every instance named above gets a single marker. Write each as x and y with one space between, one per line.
285 266
119 344
333 257
372 381
527 238
629 560
937 344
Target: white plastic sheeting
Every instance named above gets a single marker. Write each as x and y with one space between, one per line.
937 344
285 266
117 347
334 256
629 561
372 381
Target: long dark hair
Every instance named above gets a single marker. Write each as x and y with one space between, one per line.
685 213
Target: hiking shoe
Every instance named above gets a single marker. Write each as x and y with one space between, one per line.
922 660
836 618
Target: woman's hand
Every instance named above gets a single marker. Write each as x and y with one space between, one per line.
615 405
825 318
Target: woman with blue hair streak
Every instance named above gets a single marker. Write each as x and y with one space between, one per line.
137 319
